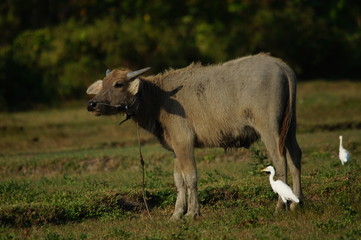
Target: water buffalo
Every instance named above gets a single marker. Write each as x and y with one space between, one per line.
229 105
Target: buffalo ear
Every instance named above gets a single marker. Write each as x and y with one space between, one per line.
95 88
134 86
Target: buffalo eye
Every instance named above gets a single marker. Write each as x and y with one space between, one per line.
118 85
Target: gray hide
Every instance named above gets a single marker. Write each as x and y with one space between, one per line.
229 105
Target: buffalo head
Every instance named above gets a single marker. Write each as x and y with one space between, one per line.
116 93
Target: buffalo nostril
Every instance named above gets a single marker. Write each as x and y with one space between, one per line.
91 105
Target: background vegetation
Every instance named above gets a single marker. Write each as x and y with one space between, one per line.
50 50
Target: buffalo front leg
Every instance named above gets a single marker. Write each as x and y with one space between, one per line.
193 201
181 203
188 170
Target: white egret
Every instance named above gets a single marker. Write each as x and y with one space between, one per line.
344 155
283 190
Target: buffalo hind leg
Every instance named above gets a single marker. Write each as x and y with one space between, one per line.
181 204
293 155
279 162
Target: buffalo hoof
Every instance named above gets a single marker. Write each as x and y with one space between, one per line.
280 206
192 215
294 206
176 217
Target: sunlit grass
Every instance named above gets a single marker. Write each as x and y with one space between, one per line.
66 174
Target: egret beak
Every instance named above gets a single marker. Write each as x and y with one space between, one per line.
263 170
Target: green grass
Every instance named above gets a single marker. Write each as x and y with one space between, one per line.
66 174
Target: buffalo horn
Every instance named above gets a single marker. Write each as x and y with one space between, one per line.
134 74
107 72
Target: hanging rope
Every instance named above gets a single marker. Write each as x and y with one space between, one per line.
143 174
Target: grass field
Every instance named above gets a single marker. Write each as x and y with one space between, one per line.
66 174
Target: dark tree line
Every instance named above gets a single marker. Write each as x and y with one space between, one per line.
50 50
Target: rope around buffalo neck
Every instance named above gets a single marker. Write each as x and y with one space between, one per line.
127 108
143 174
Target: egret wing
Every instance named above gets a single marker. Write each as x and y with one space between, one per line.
344 155
284 190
